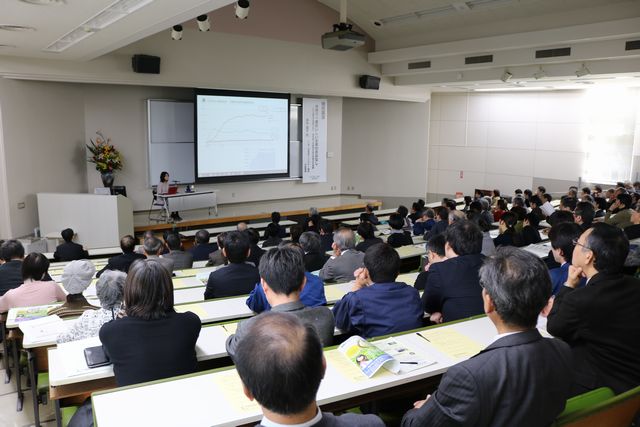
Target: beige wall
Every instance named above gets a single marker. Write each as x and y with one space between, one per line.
384 148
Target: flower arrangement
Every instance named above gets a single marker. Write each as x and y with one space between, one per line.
104 155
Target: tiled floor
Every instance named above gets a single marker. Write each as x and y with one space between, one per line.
9 417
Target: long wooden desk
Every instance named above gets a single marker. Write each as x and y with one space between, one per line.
227 228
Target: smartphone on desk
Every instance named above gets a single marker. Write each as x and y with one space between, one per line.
96 357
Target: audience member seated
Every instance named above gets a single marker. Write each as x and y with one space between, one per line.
530 233
33 291
568 203
456 216
366 232
535 204
326 235
453 290
271 236
281 365
482 391
583 215
11 270
377 304
415 212
282 278
239 276
600 206
619 213
110 291
404 212
488 247
541 192
633 231
202 248
562 238
69 250
398 236
256 251
508 235
275 220
123 261
76 278
345 260
435 254
216 257
373 219
314 257
153 247
242 226
441 224
601 321
424 222
312 222
501 208
152 341
295 231
485 203
181 259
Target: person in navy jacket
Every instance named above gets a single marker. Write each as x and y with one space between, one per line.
201 250
562 237
238 277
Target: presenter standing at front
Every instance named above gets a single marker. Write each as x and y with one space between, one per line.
163 188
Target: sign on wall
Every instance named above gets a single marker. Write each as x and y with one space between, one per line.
314 140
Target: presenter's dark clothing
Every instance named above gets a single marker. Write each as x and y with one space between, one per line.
201 252
367 243
232 280
453 288
255 255
69 251
314 261
601 323
395 240
520 380
146 350
10 275
282 231
121 262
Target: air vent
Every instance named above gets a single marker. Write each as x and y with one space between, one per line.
419 65
482 59
632 45
553 53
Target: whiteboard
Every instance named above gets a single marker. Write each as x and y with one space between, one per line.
171 140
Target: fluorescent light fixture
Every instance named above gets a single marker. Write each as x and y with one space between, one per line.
203 23
43 2
539 74
506 76
16 28
514 89
583 71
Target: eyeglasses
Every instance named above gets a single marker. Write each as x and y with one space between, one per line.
576 243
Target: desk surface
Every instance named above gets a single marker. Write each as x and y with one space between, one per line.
227 228
185 194
215 398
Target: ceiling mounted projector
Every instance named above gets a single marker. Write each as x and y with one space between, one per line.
342 37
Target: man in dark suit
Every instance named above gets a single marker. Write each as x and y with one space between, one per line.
281 364
181 259
238 277
326 235
123 262
453 288
441 222
601 321
12 253
69 250
201 250
314 258
521 379
256 251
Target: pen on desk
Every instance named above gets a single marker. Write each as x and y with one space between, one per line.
422 336
408 363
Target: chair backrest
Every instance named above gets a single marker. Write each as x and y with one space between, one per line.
616 411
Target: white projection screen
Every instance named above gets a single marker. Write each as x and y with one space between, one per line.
241 136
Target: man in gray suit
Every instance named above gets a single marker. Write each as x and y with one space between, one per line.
181 259
153 247
345 260
282 279
521 379
281 364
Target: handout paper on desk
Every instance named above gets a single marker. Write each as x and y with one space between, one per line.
538 250
336 292
31 313
547 209
451 342
230 386
44 329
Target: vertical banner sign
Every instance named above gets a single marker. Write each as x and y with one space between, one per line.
314 140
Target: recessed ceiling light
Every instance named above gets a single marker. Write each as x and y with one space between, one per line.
7 46
43 2
7 27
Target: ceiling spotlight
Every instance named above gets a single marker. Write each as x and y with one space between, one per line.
583 71
242 9
203 23
176 32
539 74
506 76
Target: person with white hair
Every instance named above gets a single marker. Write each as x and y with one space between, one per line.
109 289
76 278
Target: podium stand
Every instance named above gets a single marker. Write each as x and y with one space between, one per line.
99 221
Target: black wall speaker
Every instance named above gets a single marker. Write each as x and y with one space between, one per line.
145 64
369 82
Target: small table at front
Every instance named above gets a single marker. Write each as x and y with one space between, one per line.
189 201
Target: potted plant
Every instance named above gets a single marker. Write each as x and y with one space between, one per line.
106 158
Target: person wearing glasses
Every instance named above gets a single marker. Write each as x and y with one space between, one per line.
600 321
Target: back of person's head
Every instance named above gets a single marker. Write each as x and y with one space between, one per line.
533 219
586 211
382 262
275 217
429 213
34 266
148 290
272 230
344 238
456 215
479 220
12 249
502 204
547 197
283 269
510 219
403 211
496 192
597 188
528 193
241 226
519 285
518 191
562 236
442 213
202 237
152 245
535 200
295 231
67 234
559 217
569 202
485 202
310 241
365 217
313 212
475 206
395 221
436 244
421 203
518 201
520 212
586 190
280 362
541 189
253 235
610 247
77 276
173 242
220 239
464 237
415 206
368 208
467 200
326 227
127 244
147 234
451 204
110 288
365 230
624 199
236 246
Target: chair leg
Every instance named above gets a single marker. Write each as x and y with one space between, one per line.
31 363
16 361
